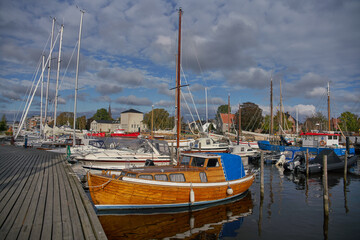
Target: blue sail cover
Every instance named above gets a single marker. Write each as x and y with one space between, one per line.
232 166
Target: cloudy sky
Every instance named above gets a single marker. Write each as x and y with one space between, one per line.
128 53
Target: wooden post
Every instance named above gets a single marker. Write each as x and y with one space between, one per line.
307 162
325 187
262 175
345 165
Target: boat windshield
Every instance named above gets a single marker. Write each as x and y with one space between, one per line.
185 160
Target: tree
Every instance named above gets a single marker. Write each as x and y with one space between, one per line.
81 122
3 126
349 122
251 117
101 114
162 120
65 118
316 122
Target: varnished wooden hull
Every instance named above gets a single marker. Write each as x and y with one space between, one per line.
133 193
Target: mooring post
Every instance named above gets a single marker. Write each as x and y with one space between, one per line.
262 175
325 187
307 162
345 165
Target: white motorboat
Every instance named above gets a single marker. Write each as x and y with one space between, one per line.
142 151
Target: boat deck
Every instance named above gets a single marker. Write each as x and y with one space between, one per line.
41 198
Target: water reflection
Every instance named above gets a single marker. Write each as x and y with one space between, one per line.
210 223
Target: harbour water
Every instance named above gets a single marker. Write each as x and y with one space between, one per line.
292 208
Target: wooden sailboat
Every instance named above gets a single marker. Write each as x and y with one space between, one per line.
197 179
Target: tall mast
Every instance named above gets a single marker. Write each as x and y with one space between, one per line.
271 108
57 78
206 109
49 69
281 115
229 113
329 125
178 83
77 75
239 130
42 96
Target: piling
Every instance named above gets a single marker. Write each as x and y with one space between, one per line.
262 175
325 187
307 163
345 165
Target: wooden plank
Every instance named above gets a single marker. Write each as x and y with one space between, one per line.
57 223
20 210
40 209
94 220
64 201
30 216
10 199
48 214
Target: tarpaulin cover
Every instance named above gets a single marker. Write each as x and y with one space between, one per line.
232 165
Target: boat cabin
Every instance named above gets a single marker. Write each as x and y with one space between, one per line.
194 168
320 139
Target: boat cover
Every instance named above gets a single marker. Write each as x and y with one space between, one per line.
232 166
331 157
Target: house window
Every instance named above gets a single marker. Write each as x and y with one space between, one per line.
177 177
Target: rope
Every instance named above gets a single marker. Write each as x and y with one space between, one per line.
102 185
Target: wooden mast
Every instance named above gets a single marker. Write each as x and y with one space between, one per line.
329 124
281 114
178 82
229 113
239 130
271 108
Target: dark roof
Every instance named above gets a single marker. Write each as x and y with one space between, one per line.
131 111
104 121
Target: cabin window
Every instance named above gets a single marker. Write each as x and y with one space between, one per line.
203 177
131 175
146 176
185 160
161 177
207 141
177 177
123 173
242 149
335 137
329 137
213 162
198 162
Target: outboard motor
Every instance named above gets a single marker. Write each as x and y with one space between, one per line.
149 162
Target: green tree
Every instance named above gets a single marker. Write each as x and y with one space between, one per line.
316 122
251 117
65 118
81 122
3 126
162 120
349 122
101 114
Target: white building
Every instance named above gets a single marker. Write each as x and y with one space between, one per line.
132 120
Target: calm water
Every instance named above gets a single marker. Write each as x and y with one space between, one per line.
292 208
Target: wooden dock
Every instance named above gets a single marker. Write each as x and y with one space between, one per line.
41 198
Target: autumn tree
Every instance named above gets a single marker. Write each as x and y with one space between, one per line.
65 118
251 117
3 126
162 120
81 122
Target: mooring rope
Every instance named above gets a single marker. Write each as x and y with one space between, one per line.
102 185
